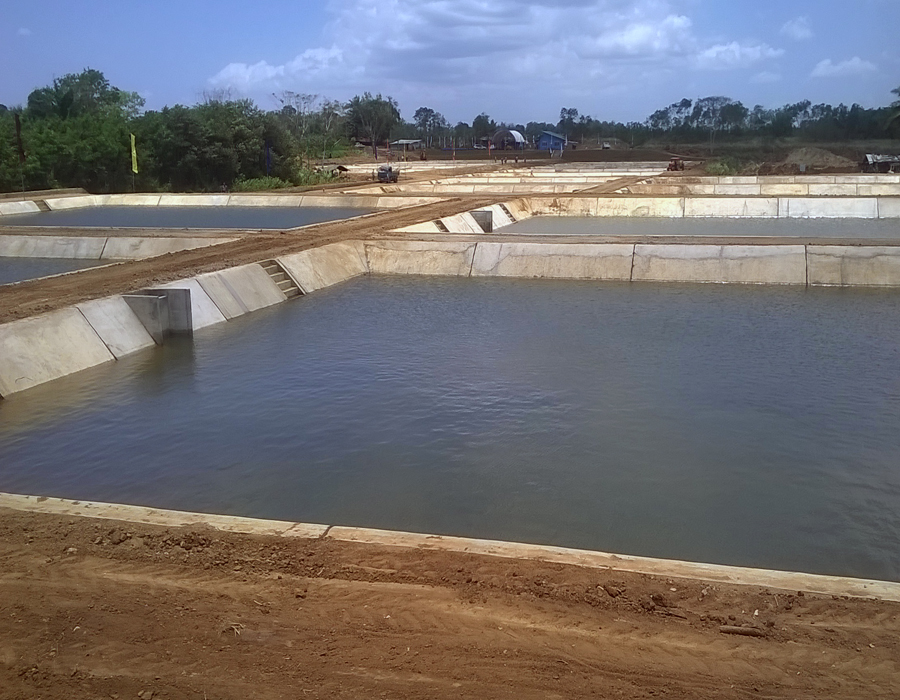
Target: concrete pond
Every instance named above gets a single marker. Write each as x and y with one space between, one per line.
753 426
178 217
534 380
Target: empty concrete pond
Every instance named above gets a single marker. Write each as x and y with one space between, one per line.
880 229
754 426
214 217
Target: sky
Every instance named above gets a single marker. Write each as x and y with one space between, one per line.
517 60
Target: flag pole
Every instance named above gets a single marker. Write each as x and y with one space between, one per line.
134 165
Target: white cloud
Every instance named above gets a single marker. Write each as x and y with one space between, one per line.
798 29
735 55
24 31
670 35
310 65
765 77
844 69
499 54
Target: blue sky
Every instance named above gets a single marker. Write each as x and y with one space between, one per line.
519 60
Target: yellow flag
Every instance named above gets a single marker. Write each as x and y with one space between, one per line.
134 167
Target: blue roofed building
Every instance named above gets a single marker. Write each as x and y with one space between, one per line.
551 141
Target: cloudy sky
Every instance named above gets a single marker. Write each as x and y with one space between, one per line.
519 60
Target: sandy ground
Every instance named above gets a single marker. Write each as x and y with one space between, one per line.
104 609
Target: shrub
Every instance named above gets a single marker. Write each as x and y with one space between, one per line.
260 184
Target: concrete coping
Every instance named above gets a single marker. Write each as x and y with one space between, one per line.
253 199
786 580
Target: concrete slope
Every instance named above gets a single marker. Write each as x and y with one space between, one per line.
565 261
240 290
203 311
865 266
747 264
139 247
322 267
26 207
37 350
63 247
117 326
449 258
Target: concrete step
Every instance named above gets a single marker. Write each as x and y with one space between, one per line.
508 213
281 279
41 204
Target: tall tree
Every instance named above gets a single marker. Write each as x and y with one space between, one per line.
372 118
77 94
483 126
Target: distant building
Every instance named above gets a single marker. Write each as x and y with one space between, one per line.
551 141
407 144
508 139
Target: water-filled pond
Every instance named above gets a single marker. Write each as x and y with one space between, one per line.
186 217
19 269
743 425
638 226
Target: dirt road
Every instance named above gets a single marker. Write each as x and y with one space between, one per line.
102 609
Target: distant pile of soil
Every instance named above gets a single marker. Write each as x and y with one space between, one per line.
815 160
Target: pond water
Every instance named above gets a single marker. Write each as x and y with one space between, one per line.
755 426
186 217
19 269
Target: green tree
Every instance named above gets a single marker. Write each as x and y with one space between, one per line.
372 118
894 117
483 126
78 94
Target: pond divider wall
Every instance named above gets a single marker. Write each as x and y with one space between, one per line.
100 247
53 345
349 201
715 573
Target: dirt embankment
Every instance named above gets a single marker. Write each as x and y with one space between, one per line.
104 609
39 296
810 160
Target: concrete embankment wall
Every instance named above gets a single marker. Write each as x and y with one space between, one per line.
668 208
733 263
39 349
350 201
767 578
46 347
712 207
860 185
100 247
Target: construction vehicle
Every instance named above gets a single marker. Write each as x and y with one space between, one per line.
386 173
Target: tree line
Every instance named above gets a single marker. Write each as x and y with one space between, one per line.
76 132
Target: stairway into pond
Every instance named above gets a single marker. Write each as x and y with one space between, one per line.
281 278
